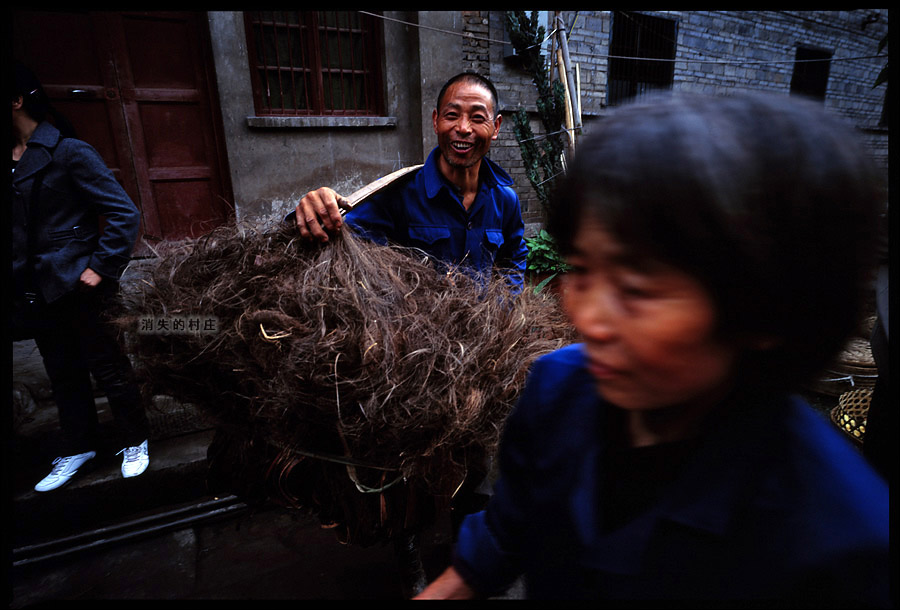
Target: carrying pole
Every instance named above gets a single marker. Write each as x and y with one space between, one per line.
373 187
570 121
570 79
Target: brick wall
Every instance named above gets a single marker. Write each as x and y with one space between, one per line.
766 40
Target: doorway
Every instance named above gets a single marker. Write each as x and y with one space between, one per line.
140 88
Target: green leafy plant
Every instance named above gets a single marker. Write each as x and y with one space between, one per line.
543 259
541 156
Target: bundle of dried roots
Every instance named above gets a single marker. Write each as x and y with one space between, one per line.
358 381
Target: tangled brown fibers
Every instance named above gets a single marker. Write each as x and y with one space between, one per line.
358 381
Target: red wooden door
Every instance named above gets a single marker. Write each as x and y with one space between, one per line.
140 88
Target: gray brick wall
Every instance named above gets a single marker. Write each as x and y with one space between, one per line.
766 41
475 46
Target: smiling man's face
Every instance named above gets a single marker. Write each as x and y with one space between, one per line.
465 124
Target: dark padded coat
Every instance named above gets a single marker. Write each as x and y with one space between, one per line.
76 190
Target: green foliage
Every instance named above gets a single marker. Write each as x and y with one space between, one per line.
541 156
544 258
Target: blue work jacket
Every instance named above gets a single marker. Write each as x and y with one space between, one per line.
424 211
76 190
774 505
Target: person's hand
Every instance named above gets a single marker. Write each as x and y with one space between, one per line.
318 214
449 585
89 279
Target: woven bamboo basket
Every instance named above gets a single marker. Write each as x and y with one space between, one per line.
851 412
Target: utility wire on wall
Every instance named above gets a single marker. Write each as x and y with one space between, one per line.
736 60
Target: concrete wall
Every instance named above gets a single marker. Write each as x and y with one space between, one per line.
440 38
274 161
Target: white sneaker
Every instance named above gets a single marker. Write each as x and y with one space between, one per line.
135 461
64 468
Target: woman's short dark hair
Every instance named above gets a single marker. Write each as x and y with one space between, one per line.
35 102
770 201
25 84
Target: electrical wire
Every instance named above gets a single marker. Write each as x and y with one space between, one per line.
719 61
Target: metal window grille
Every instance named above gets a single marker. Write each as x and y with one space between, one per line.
315 63
635 35
811 68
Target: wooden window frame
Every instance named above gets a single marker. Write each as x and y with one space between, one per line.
302 65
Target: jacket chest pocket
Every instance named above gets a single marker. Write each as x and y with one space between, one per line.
435 240
493 239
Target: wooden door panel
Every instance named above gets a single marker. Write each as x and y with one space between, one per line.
162 119
161 51
185 206
165 92
60 47
139 87
179 170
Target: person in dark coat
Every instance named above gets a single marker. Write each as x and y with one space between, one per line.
65 273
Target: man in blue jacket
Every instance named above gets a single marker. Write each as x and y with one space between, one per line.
460 207
65 275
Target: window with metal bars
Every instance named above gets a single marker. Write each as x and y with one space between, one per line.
315 63
639 47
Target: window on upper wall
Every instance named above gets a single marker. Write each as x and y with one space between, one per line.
635 36
811 67
315 63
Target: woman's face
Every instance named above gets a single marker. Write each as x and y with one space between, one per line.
648 329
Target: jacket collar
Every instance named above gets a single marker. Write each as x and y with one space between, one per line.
38 154
45 135
490 174
723 456
730 455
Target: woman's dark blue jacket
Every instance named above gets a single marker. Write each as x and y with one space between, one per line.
774 506
76 190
